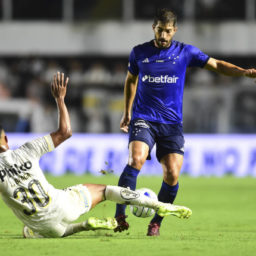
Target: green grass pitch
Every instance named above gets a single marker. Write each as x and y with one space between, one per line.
223 223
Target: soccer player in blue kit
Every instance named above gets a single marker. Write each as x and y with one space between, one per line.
153 97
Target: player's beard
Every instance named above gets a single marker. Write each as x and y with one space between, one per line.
162 43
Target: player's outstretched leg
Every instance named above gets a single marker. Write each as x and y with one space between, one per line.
95 223
127 196
92 223
175 210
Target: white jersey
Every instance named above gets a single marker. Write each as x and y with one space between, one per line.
26 191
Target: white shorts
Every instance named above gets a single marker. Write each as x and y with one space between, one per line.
78 202
73 202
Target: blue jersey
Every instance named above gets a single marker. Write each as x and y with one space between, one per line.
161 79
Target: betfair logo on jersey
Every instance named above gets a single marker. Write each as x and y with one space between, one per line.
15 170
160 79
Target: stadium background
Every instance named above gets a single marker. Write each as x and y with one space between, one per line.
90 41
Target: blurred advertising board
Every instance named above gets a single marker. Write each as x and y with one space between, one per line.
205 155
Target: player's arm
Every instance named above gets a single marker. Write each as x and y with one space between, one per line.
130 88
59 89
228 69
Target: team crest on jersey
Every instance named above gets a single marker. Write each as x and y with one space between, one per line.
174 59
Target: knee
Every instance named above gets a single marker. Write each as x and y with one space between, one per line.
137 161
171 176
54 233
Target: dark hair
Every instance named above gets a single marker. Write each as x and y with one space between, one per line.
165 16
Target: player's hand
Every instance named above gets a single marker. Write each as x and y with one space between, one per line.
59 85
250 73
124 123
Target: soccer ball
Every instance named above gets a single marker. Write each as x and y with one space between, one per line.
141 211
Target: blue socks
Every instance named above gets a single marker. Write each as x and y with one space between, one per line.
127 179
167 194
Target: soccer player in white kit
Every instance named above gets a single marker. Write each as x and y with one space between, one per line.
47 211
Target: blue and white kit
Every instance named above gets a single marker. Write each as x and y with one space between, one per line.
159 96
161 79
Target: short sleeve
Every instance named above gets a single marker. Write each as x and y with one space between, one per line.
38 147
196 58
132 65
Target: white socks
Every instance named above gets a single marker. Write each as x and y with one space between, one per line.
122 195
75 228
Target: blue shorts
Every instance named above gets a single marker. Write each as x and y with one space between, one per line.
167 137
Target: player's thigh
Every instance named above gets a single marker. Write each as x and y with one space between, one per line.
169 145
138 152
77 200
55 230
141 141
